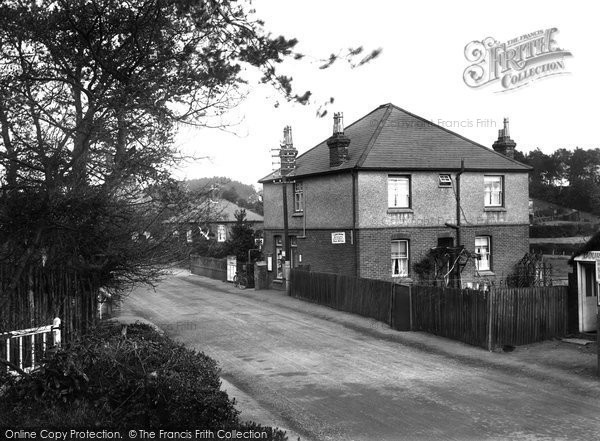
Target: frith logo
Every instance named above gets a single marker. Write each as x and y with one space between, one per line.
515 63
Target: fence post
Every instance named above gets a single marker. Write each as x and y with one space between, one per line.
490 311
392 294
410 307
56 331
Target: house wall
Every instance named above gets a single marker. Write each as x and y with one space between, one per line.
317 250
327 203
367 252
433 206
509 245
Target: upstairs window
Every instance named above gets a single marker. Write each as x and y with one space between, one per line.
399 258
483 249
494 191
399 192
298 197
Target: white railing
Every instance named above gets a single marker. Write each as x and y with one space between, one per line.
18 338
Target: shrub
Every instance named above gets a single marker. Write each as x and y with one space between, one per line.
142 379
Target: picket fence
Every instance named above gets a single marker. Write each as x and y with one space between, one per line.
489 319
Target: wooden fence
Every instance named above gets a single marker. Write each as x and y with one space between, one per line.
208 267
41 294
376 299
459 314
526 315
494 318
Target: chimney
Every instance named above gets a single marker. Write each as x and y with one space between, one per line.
338 143
287 152
504 144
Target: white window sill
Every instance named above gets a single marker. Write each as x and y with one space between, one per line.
494 209
399 210
485 273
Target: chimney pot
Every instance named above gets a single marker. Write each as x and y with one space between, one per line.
338 143
504 144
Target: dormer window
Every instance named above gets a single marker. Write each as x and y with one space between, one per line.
444 181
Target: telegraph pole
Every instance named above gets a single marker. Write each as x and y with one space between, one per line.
287 157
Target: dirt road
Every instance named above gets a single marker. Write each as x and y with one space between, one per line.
335 376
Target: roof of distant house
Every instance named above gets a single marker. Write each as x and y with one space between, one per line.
591 245
390 138
225 211
220 210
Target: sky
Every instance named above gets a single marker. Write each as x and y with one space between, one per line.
420 70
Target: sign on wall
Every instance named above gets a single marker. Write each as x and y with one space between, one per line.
338 237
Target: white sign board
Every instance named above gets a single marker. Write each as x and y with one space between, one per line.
338 237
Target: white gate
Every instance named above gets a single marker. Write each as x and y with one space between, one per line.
231 268
21 346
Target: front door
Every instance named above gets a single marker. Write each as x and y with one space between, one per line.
588 297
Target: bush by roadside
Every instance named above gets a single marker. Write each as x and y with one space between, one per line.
117 379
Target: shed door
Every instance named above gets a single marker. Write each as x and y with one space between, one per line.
588 297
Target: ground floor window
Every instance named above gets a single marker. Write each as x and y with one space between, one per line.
399 258
483 250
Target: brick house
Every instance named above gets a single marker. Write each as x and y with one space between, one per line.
373 199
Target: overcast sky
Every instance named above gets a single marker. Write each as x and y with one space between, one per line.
420 70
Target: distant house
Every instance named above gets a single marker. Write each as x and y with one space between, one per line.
587 269
373 199
213 220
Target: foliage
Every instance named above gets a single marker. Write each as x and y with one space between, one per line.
141 379
568 178
246 196
91 95
242 237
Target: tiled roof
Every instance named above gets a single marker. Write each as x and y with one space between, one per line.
393 139
225 211
220 210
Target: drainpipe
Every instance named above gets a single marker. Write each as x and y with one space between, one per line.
286 240
354 236
458 216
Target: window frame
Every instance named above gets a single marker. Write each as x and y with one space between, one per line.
278 252
406 258
298 197
488 254
221 233
409 191
490 204
442 183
